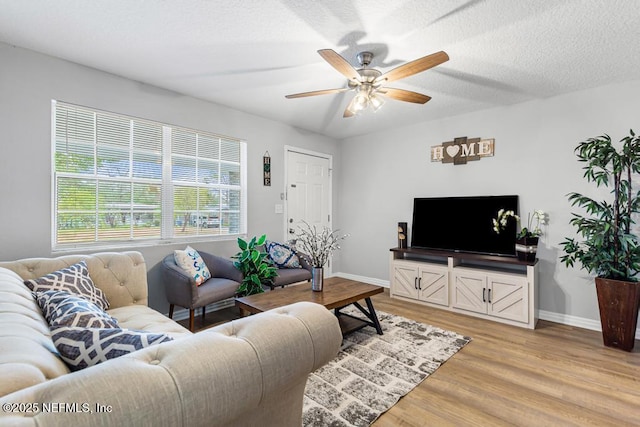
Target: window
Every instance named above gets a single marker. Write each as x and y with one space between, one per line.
123 179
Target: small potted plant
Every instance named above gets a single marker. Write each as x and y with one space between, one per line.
527 239
255 265
318 245
609 247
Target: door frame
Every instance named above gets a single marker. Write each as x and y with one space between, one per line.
291 149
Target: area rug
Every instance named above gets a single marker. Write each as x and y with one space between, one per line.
372 372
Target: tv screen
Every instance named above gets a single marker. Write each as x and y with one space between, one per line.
463 224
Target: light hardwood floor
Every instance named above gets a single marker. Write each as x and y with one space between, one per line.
555 375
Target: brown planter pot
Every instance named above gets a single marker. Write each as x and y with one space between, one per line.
526 248
618 302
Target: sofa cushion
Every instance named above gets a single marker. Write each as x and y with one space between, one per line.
73 279
83 347
191 262
143 318
61 308
283 256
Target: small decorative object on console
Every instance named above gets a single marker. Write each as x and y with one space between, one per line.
402 235
527 238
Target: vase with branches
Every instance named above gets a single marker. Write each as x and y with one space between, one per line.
318 245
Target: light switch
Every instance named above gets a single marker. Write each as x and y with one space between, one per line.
279 208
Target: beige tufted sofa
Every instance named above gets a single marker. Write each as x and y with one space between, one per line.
249 372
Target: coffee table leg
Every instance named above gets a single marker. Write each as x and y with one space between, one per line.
373 316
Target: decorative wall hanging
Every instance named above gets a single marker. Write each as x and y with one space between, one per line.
266 169
461 150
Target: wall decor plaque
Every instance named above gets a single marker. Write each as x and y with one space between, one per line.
266 169
462 149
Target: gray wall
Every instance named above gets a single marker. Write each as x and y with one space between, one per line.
533 158
28 83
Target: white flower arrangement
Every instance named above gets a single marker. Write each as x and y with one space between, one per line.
538 215
318 244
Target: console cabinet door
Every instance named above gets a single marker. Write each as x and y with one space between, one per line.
404 280
433 285
509 297
469 291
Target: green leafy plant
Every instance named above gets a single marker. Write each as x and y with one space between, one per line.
255 265
539 216
609 247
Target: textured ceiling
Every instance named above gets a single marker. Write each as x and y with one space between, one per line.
249 54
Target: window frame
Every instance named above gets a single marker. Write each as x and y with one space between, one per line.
166 182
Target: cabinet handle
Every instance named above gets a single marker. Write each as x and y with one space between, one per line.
420 283
484 294
415 282
489 296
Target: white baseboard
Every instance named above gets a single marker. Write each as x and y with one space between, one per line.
565 319
578 322
363 279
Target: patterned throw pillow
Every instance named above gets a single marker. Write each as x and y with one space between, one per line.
283 256
61 308
73 279
82 347
191 262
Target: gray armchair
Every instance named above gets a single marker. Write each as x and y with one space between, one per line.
182 290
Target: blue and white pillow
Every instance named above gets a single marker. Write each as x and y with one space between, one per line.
73 279
61 308
191 262
84 347
283 256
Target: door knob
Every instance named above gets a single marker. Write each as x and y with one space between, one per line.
292 231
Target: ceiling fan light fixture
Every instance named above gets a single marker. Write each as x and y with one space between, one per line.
376 101
361 100
370 84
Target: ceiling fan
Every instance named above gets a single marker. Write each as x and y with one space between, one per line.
369 83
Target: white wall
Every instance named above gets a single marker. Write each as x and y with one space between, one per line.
534 159
28 83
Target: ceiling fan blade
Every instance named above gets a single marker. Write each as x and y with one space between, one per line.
404 95
340 64
414 67
316 92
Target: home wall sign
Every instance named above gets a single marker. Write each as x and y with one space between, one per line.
266 169
462 149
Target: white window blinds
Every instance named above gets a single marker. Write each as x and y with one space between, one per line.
119 178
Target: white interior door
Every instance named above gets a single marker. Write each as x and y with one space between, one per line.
308 191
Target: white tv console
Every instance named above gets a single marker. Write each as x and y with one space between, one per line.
499 288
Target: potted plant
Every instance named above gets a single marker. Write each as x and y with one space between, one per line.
255 265
609 248
527 238
318 245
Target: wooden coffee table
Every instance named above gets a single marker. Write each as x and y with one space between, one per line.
335 296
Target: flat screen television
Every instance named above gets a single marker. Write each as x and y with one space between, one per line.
463 224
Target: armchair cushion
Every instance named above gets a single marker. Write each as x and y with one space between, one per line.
191 262
74 279
283 256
